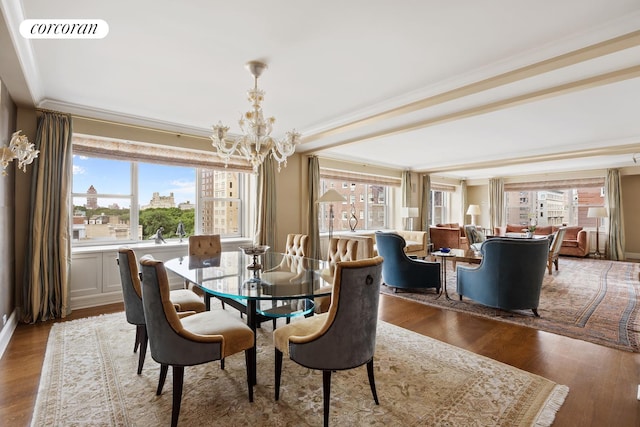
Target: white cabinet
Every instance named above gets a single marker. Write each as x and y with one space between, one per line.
95 276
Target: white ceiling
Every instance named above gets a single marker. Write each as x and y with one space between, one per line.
498 87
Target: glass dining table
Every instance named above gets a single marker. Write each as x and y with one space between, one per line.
279 285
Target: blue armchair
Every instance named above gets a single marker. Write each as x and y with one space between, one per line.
509 276
400 271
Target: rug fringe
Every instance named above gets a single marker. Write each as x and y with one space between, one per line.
547 414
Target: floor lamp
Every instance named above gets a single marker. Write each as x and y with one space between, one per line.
597 213
331 196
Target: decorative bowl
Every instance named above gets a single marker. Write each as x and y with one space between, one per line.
445 250
254 249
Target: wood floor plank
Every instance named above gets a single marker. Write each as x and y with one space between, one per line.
603 381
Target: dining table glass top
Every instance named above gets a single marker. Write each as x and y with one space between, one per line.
233 275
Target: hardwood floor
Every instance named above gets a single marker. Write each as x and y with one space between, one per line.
603 382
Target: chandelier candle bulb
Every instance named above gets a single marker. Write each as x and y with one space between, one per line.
256 142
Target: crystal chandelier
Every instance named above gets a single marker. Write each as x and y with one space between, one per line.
256 141
19 148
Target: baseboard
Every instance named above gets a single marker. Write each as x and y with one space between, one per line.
632 255
7 332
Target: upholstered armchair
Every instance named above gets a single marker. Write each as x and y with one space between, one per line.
344 337
400 271
196 339
575 242
554 250
448 236
182 299
340 249
509 276
475 237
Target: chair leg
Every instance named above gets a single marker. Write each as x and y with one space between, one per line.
141 330
178 378
555 262
278 373
372 381
247 361
163 377
135 346
535 312
222 363
326 393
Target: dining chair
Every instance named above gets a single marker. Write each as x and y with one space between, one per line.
203 245
554 250
340 249
342 338
183 300
297 244
193 340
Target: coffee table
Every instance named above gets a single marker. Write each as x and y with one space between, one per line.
455 255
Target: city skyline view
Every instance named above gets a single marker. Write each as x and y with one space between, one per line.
113 177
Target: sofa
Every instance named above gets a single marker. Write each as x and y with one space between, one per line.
416 242
448 236
575 242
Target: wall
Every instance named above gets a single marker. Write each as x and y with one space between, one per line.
631 207
7 197
478 195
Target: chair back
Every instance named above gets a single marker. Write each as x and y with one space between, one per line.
131 291
163 323
391 247
473 235
205 245
341 249
298 245
556 244
348 337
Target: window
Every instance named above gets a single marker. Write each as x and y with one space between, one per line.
106 195
374 209
439 207
553 206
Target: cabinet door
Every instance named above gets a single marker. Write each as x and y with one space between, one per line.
86 274
110 273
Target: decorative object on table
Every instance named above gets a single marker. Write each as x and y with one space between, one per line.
180 231
331 196
158 237
598 213
445 250
256 142
19 149
409 213
353 220
474 211
255 251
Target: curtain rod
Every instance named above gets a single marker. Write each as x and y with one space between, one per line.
111 122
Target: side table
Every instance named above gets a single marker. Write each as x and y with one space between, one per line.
443 261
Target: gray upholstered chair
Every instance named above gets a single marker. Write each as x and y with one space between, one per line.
509 276
184 300
475 237
340 249
400 271
205 245
554 250
297 244
344 337
193 340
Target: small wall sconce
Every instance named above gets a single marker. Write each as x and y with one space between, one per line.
19 148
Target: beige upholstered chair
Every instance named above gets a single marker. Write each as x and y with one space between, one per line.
297 244
206 245
344 337
183 300
554 250
340 249
193 340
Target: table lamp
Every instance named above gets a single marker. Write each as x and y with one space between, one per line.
474 211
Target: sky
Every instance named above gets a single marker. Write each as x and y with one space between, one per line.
114 177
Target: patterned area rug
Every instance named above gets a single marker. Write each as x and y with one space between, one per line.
89 379
592 300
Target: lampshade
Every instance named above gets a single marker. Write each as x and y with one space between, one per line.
599 212
331 196
473 210
408 212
